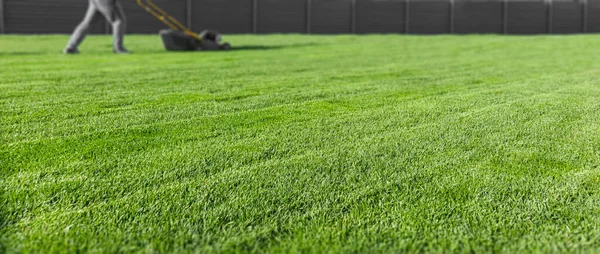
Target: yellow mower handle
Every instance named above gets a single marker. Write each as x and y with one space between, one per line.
164 17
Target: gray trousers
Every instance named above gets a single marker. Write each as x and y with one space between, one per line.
114 14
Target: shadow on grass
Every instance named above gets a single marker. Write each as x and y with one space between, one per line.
261 47
241 48
233 48
25 53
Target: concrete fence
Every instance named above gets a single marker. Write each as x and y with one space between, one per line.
321 16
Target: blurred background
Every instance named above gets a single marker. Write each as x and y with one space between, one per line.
319 16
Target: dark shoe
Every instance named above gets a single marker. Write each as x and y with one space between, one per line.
70 51
121 51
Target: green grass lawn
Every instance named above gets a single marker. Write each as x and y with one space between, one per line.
380 143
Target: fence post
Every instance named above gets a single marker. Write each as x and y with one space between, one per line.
353 18
584 16
451 16
2 17
407 17
308 15
188 13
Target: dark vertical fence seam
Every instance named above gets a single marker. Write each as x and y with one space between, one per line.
254 16
549 20
505 16
188 13
353 18
584 5
406 16
451 16
308 15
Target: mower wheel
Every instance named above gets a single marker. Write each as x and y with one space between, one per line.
225 46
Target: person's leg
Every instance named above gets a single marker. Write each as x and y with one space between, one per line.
81 30
119 31
113 11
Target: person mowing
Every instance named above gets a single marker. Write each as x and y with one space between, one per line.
114 14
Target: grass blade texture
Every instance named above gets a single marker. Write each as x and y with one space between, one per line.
381 143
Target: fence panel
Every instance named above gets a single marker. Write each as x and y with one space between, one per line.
593 16
380 16
331 16
225 16
567 17
36 16
141 22
527 17
478 17
281 16
319 16
429 17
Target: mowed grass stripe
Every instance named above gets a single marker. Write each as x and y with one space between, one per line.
127 97
192 101
370 113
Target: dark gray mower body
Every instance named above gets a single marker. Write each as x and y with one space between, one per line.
179 41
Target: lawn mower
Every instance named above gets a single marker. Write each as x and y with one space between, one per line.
181 38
